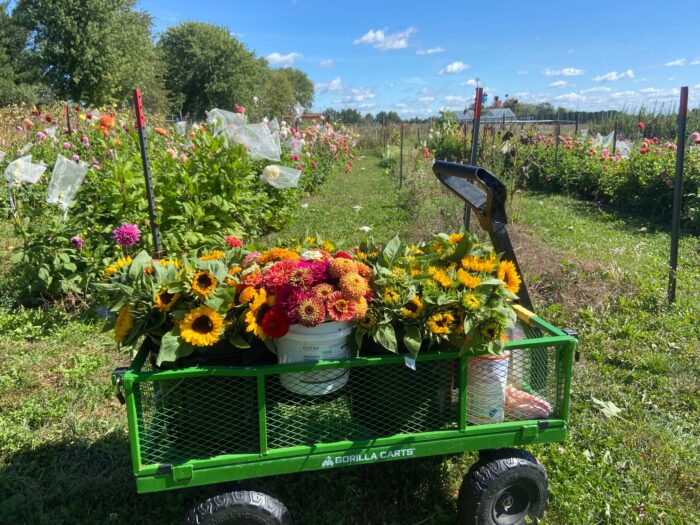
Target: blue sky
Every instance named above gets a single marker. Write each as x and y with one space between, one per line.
416 58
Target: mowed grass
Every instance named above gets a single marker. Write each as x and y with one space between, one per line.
64 455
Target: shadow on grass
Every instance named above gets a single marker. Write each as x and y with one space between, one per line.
91 482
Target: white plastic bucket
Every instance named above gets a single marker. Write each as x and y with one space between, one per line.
486 388
303 344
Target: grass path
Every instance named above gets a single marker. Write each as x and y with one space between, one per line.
349 201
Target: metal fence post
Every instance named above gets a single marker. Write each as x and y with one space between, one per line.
677 192
401 159
614 138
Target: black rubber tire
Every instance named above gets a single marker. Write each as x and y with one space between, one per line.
504 487
240 507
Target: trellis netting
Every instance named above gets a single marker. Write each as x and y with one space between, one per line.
22 170
280 177
259 141
65 181
274 127
181 128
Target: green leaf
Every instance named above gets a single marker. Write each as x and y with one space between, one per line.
237 341
138 264
172 348
386 336
608 408
412 339
221 296
391 249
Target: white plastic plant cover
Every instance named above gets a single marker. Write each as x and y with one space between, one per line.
22 170
181 128
65 181
51 132
2 155
225 121
604 141
623 148
274 127
583 133
259 141
280 177
24 149
297 112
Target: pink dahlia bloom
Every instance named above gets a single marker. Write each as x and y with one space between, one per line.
287 301
126 235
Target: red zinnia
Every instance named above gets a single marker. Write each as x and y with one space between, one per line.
641 125
233 242
343 255
275 324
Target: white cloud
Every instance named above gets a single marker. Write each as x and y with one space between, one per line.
379 39
570 97
560 84
359 95
400 105
619 95
430 51
614 75
676 63
695 62
522 71
566 72
328 62
283 60
470 82
453 99
426 100
454 67
333 86
596 89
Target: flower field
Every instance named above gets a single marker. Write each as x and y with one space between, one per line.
637 177
207 187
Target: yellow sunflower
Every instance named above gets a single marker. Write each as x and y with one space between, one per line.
203 283
491 330
216 255
471 302
442 279
202 326
391 296
247 295
277 254
413 308
439 324
123 325
118 265
368 322
252 317
472 263
468 280
164 300
456 237
509 275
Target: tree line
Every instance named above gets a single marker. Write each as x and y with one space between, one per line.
97 51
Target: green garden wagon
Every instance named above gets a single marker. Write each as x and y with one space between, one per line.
205 424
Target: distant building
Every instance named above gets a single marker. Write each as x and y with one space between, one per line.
489 116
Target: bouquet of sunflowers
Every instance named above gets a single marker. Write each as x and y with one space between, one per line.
450 291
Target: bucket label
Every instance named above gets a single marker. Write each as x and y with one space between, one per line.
331 461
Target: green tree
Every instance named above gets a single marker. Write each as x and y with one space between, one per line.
207 67
350 116
302 86
278 94
369 118
94 50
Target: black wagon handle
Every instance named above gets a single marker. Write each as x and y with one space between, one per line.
486 196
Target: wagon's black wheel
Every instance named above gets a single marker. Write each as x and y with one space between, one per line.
240 507
505 487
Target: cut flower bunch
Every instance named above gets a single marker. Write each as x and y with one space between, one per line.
448 292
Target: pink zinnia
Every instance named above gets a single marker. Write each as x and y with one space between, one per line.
233 242
239 108
126 235
250 258
294 157
311 311
77 242
278 275
339 307
323 291
287 301
67 145
301 278
319 270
